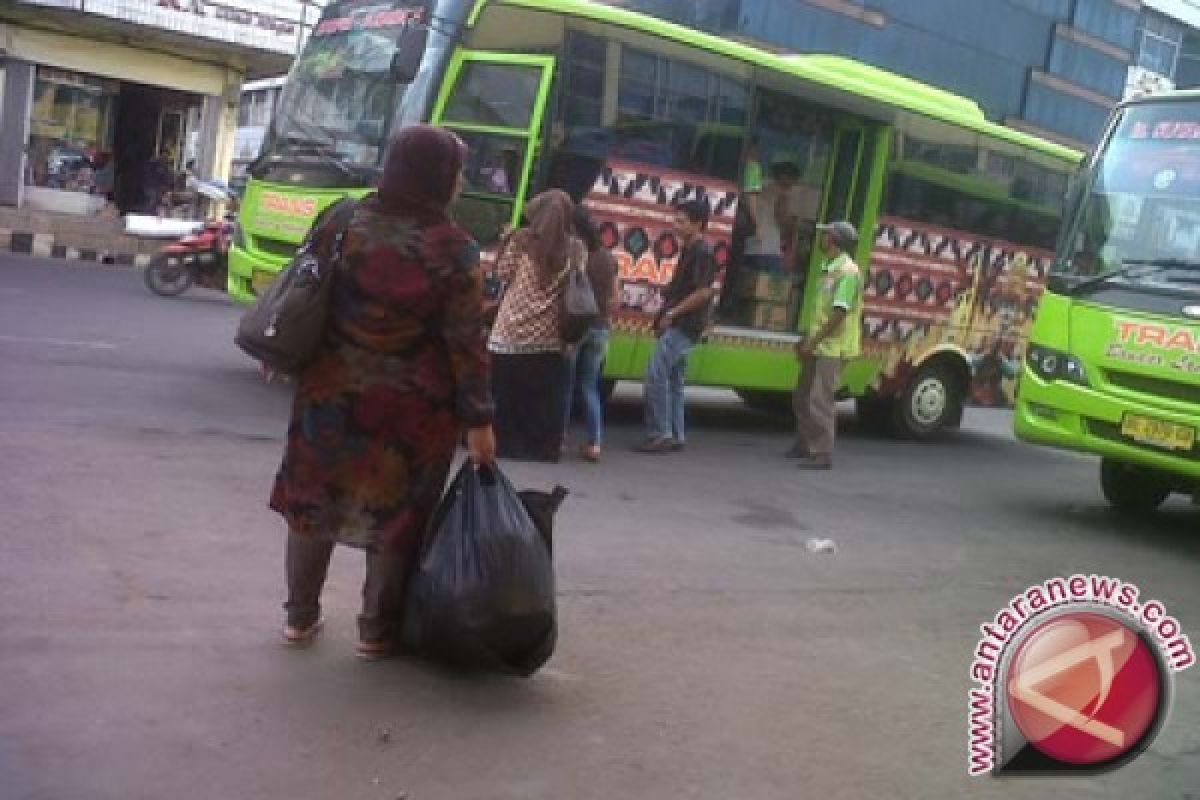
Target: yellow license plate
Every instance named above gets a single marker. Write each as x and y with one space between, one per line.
1158 433
261 280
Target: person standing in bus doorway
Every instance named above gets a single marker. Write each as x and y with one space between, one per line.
834 337
774 209
687 301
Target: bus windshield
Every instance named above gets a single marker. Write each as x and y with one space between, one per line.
1137 222
341 97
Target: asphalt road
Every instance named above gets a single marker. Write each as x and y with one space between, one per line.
704 652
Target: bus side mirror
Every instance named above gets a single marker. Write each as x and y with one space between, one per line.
409 51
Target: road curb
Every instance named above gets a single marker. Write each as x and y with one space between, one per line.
46 245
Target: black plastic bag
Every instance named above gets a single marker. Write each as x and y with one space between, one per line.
482 595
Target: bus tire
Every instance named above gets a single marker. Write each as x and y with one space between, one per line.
931 403
766 401
1131 489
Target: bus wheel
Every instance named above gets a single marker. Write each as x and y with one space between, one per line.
1131 489
931 403
774 403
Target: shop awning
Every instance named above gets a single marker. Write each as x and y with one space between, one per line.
259 43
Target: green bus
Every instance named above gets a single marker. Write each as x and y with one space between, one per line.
1113 366
630 114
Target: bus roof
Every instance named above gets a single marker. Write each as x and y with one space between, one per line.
835 72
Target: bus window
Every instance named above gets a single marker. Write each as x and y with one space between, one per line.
495 106
636 132
500 95
493 163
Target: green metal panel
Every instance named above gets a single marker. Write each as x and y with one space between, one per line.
732 365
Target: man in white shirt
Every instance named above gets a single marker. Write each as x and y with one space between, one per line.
775 211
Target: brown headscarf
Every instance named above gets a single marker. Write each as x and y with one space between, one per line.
549 221
420 171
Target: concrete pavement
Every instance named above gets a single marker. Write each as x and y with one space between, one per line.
704 651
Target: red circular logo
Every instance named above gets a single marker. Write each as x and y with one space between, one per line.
1084 688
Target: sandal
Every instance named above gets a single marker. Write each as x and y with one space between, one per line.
590 452
298 637
372 650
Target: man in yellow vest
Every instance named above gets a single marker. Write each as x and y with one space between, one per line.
833 338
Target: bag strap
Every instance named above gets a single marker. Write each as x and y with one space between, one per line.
571 265
340 220
337 218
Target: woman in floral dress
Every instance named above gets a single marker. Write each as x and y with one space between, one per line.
402 372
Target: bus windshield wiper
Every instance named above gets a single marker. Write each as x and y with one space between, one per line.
301 146
1131 268
1165 263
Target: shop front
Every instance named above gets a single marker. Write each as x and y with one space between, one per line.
106 107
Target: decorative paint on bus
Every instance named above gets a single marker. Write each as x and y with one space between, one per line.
933 288
633 204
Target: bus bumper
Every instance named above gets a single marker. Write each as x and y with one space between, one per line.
246 269
1086 419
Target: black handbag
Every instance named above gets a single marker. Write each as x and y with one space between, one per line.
285 326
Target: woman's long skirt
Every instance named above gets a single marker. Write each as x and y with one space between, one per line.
529 391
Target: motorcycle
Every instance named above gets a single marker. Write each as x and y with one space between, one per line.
201 256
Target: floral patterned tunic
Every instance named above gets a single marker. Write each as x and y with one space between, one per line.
378 412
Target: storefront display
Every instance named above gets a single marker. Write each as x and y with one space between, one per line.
110 106
71 130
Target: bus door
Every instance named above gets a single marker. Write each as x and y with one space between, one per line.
496 102
853 192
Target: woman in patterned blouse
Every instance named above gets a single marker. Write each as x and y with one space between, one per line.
528 369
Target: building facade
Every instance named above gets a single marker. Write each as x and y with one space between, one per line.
104 103
1051 67
1168 48
257 108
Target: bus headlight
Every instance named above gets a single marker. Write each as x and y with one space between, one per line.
1051 365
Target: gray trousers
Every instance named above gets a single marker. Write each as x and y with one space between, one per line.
815 404
307 563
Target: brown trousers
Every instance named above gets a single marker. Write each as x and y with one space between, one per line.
815 404
383 590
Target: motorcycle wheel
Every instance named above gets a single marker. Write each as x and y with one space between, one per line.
167 276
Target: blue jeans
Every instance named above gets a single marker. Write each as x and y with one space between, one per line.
583 369
664 386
